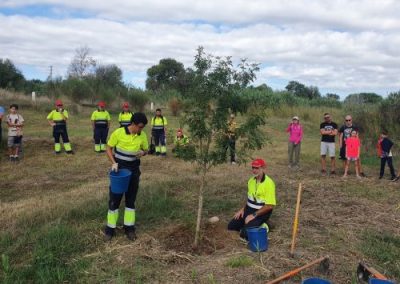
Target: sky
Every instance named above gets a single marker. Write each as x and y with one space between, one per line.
340 46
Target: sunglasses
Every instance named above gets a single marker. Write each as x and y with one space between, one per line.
348 119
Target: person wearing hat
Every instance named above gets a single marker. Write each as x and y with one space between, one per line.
260 202
180 140
57 118
124 149
125 115
101 124
295 130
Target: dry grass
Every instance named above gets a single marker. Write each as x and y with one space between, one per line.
44 190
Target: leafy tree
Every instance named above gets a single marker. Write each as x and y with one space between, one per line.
10 76
82 63
264 87
109 75
167 74
302 91
215 92
363 98
332 96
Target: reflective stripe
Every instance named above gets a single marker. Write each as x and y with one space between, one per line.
100 121
255 202
254 206
125 158
158 127
129 217
59 122
112 218
125 152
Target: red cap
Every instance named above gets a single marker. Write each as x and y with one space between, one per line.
125 104
59 103
258 163
101 104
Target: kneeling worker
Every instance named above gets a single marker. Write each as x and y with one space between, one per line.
260 201
129 144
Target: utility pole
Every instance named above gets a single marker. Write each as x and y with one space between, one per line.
50 77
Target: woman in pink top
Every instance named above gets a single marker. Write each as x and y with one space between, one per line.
353 146
295 130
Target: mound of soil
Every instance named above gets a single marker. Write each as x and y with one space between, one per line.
214 237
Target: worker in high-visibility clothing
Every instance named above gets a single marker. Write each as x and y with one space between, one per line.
129 144
125 115
261 200
101 124
58 120
158 131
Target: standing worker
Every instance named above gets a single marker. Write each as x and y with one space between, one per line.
129 144
125 115
101 124
158 131
261 201
232 126
58 120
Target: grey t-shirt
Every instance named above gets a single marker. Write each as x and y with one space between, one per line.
16 119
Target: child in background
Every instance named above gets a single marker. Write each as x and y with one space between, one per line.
353 146
384 152
15 123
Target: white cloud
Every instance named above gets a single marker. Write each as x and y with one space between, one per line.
343 46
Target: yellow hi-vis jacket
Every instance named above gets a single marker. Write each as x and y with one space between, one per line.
260 194
100 118
124 118
57 118
127 145
158 123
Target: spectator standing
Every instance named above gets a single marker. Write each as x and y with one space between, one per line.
353 146
328 131
385 152
295 130
15 123
1 118
344 133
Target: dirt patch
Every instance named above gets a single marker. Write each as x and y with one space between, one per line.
214 237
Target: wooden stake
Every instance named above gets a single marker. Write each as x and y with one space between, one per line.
296 221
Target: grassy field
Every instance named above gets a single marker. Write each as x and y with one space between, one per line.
53 211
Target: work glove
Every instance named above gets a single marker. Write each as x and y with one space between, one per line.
140 154
114 167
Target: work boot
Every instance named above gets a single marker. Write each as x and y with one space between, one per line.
107 237
131 235
70 152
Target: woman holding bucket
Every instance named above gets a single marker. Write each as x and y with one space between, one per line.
260 201
129 144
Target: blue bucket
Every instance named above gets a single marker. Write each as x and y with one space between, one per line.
379 281
119 181
258 239
315 281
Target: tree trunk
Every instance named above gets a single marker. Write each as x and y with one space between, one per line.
200 206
